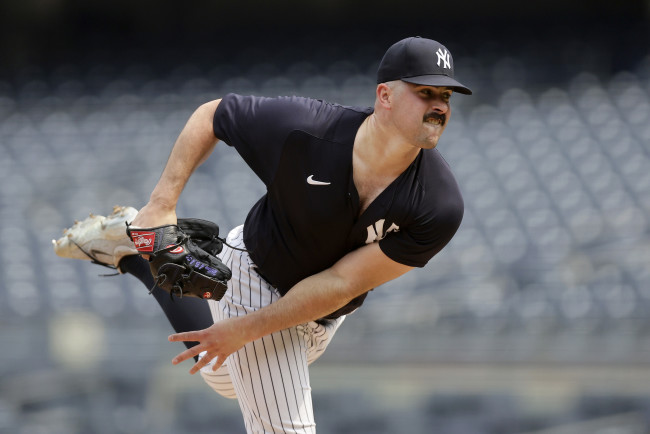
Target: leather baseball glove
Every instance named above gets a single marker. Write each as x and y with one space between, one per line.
183 257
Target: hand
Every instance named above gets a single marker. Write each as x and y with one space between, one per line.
219 340
152 215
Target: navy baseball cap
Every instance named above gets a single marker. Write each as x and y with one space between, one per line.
420 61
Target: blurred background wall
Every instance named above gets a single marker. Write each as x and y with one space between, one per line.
535 319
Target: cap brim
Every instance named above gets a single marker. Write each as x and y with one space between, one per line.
438 80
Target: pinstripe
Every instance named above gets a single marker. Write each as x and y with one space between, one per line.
272 395
302 378
279 370
301 365
259 374
250 398
254 353
250 284
293 386
251 381
229 261
260 383
241 293
253 394
305 390
299 352
244 402
264 391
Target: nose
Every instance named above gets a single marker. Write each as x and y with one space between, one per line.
439 105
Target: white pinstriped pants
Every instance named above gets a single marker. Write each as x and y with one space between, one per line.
269 376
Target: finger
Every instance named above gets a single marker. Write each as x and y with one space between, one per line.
217 361
201 363
187 354
185 337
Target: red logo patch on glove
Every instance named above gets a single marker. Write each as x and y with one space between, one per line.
143 240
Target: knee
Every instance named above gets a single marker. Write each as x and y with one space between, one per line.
219 381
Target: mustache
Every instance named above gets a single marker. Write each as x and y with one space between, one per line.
437 116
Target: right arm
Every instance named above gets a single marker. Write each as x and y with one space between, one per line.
193 146
313 297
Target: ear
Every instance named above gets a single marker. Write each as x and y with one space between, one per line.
384 95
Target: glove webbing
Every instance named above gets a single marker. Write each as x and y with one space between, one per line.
160 279
176 289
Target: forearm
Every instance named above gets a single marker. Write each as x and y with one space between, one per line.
310 299
325 292
193 146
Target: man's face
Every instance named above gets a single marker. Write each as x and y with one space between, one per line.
421 113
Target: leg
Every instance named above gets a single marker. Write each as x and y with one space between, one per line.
270 375
103 240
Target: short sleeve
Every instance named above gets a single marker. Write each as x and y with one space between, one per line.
418 242
257 127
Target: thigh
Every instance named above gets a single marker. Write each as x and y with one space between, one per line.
271 379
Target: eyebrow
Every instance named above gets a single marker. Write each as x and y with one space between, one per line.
443 88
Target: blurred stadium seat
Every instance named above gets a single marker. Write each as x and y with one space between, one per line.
546 175
552 256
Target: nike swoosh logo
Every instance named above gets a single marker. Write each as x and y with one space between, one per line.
312 181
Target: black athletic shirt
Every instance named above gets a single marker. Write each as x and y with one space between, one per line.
309 218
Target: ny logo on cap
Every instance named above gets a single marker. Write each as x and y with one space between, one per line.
444 57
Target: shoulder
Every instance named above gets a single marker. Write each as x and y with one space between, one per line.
290 112
282 104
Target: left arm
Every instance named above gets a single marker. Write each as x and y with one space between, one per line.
314 297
